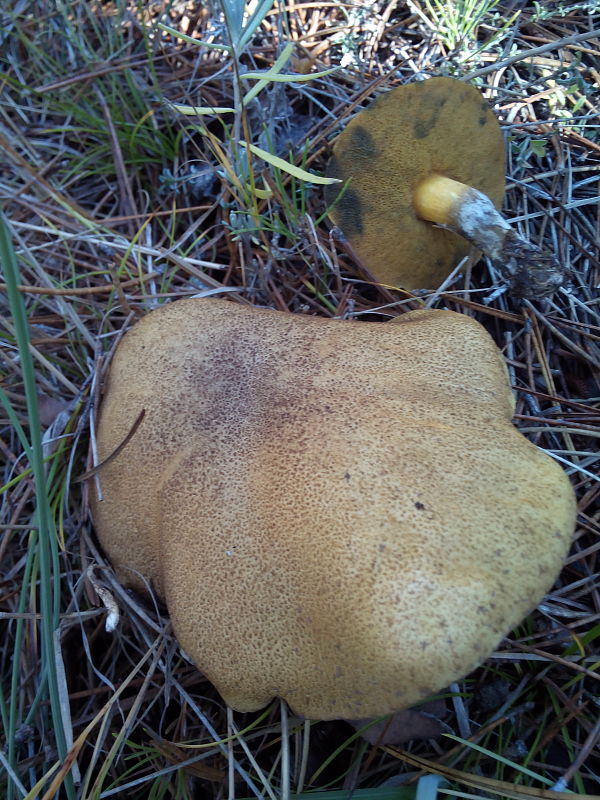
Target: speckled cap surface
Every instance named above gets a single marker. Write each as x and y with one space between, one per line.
438 126
337 513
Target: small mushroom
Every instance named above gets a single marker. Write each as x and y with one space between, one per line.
339 514
430 152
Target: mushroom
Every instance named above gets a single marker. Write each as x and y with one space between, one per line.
430 152
338 514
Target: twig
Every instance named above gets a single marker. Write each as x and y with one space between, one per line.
545 48
84 290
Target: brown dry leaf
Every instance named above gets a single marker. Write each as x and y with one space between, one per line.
423 722
49 408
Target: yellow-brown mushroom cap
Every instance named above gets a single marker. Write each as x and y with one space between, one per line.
441 126
340 514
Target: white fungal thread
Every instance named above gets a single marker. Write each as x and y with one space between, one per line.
480 223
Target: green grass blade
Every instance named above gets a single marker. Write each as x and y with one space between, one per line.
45 542
376 793
275 70
292 169
190 40
507 761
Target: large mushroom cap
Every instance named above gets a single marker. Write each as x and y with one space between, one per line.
340 514
439 126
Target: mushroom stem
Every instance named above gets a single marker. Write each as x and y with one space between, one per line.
529 271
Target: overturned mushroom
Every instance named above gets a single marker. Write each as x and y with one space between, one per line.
340 514
430 152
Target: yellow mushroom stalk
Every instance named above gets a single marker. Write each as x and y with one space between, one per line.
529 271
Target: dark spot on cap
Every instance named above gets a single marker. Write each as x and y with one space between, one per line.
419 506
350 214
422 128
361 147
427 120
